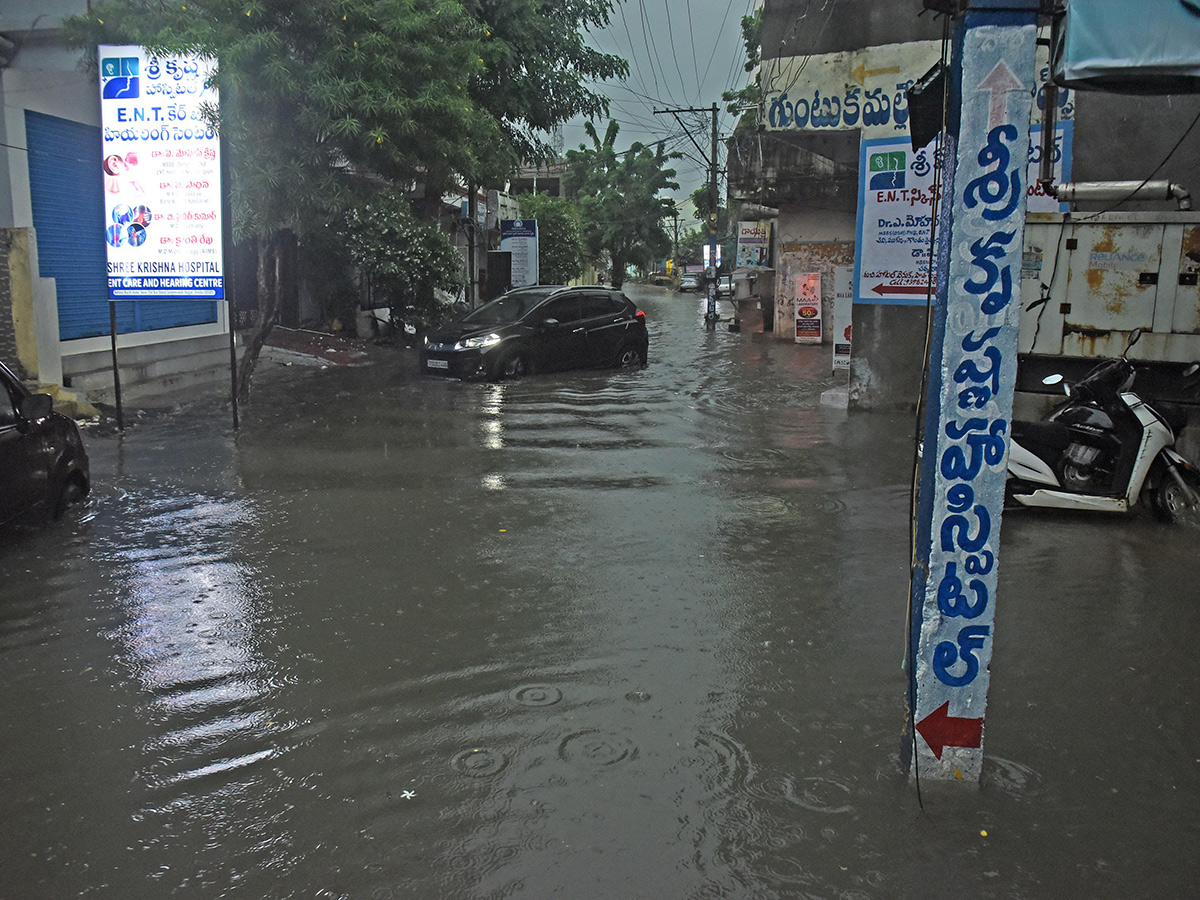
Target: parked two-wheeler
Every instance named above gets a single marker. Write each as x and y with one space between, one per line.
1105 449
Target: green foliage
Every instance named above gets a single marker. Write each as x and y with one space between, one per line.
748 98
617 194
560 245
405 258
316 95
324 101
320 99
536 64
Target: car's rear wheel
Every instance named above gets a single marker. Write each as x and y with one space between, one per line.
630 356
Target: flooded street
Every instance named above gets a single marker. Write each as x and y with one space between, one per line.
588 635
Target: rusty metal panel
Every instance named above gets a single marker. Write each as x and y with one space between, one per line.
1112 286
1186 318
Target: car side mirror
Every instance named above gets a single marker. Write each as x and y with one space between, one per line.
35 407
550 323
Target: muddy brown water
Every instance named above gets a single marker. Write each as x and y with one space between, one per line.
592 635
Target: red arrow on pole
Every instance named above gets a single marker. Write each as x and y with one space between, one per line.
901 289
941 730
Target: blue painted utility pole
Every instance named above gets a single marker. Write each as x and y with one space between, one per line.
971 373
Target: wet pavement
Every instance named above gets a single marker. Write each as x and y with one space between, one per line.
590 635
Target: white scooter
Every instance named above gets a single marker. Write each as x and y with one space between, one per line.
1104 449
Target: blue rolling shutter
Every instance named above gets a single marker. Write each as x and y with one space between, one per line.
68 212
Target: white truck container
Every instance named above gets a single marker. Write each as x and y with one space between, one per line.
1089 279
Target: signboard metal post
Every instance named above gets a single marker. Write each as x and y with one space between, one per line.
972 372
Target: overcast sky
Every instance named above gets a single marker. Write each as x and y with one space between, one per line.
681 53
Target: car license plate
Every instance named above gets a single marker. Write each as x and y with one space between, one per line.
437 364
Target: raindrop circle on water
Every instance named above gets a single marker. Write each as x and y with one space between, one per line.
594 748
823 795
479 762
1010 777
637 696
536 695
763 507
752 454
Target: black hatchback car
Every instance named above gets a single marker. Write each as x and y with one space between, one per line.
43 464
543 328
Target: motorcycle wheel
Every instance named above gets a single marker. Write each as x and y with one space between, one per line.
1169 502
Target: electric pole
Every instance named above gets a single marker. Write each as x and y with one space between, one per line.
710 317
675 247
710 272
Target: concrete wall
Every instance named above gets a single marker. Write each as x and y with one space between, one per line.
1119 138
800 258
799 27
8 332
888 358
28 309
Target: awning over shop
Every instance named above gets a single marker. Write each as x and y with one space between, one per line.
1145 47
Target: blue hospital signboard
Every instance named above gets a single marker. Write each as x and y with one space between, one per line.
161 176
969 401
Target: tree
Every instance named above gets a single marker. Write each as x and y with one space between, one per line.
560 246
618 200
323 101
745 103
537 65
407 260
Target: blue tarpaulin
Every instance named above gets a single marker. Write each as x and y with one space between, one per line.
1130 46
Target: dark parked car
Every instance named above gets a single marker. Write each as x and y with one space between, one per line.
540 329
43 465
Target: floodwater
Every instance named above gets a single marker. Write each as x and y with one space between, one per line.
595 635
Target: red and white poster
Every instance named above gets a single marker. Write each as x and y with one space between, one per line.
808 308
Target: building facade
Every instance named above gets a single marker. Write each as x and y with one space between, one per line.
833 150
54 290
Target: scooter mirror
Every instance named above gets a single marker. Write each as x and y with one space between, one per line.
1056 378
1134 337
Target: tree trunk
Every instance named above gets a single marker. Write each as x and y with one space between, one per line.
617 276
268 307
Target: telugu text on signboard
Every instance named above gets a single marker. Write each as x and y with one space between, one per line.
161 176
520 237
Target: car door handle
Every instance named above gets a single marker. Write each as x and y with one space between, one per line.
577 330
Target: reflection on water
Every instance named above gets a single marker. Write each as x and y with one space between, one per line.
191 636
600 634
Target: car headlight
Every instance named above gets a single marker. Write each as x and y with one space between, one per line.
478 343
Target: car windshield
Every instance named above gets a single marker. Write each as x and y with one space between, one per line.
510 307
